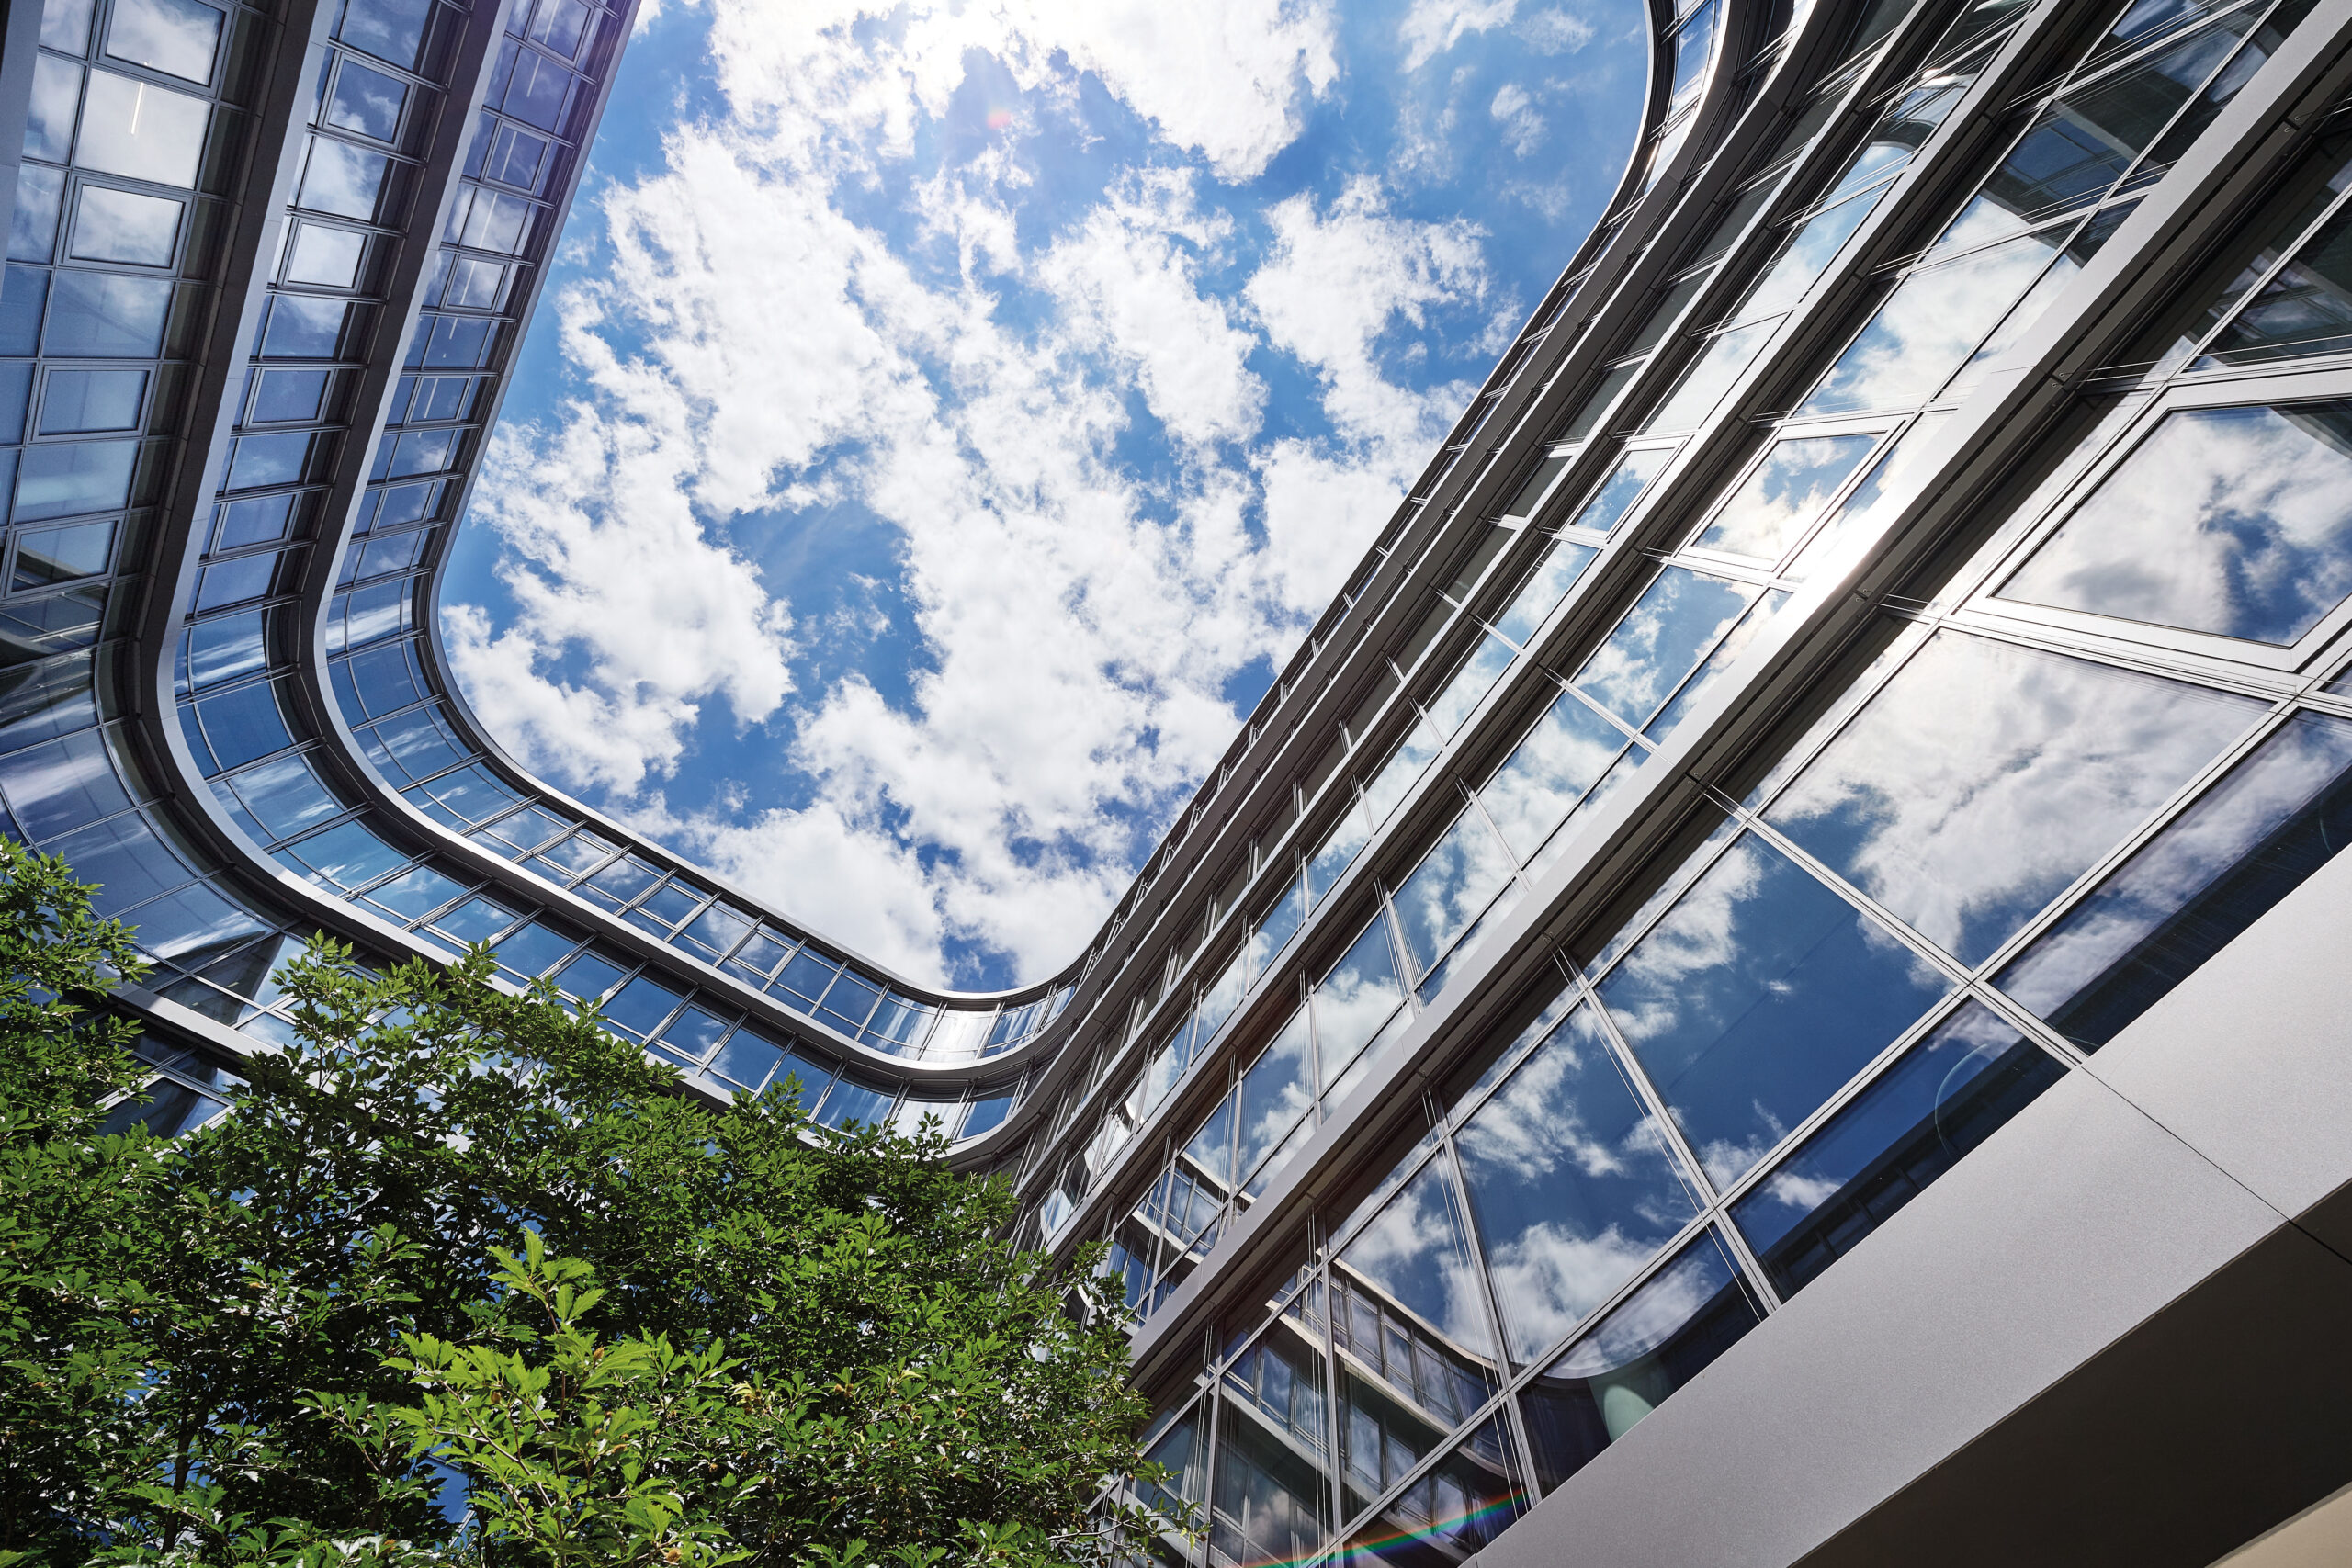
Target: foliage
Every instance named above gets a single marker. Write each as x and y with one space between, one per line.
466 1279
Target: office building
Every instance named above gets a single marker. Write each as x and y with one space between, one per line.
1767 988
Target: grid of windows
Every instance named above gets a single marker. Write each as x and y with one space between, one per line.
2006 835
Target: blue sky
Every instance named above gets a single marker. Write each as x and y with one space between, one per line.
942 421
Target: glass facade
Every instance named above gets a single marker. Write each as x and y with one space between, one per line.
1858 653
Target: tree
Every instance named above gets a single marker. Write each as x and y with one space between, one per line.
463 1256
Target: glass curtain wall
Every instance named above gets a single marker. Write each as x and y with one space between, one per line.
2066 772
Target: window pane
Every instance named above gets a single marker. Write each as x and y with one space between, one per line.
103 315
1726 654
1666 1334
1786 492
343 179
32 227
414 744
303 327
80 401
1413 1259
1530 493
719 929
1690 50
866 1104
1449 1512
260 972
367 102
40 702
693 1031
476 920
1395 780
1268 1503
1562 756
171 1109
1985 777
1811 248
1661 639
416 892
329 257
176 36
60 555
1759 995
1950 1092
2237 522
2306 308
760 955
1710 376
589 976
1472 682
124 858
898 1024
191 926
244 724
1545 586
1354 1001
1337 851
849 1000
1221 996
558 25
1930 325
348 854
986 1115
674 902
140 129
285 795
533 949
1403 1390
389 29
1621 489
122 226
1276 1093
2080 145
79 476
1274 932
49 124
1451 887
805 979
536 93
1570 1183
2250 840
1861 509
811 1074
288 396
748 1060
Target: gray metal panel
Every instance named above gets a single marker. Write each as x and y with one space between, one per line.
2250 1060
2059 1236
2202 1428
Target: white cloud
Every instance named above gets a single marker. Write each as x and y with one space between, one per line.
1223 79
1339 279
1433 26
1129 288
1555 31
1227 79
1513 108
746 347
593 561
